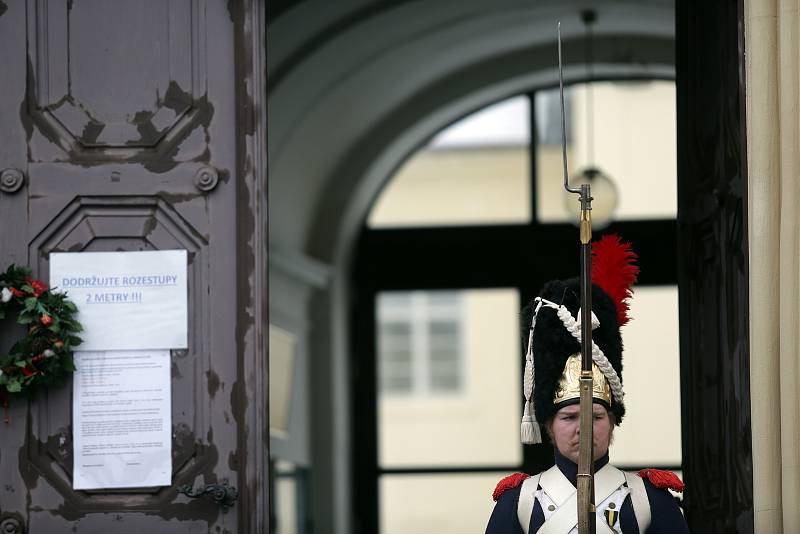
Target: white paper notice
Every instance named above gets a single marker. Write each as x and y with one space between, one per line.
126 300
122 419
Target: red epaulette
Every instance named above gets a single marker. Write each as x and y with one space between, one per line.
510 482
663 479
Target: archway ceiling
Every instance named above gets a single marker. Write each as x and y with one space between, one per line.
355 86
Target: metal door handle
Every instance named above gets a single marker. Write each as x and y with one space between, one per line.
222 494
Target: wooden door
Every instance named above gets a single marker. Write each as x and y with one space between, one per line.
138 125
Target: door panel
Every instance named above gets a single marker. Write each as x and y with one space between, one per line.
151 57
123 119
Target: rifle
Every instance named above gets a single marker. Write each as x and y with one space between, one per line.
586 505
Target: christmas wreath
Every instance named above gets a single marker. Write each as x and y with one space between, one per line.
44 355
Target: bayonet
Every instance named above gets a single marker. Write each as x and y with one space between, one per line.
585 480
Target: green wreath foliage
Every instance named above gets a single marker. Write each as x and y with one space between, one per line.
44 356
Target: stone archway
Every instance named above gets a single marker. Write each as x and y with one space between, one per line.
356 90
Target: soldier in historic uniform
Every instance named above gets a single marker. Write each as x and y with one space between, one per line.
626 503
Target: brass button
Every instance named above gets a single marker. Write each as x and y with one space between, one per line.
612 505
551 508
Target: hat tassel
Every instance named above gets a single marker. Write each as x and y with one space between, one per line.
531 433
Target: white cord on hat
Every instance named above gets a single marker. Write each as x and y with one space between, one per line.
574 328
531 433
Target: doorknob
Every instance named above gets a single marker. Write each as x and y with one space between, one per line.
222 494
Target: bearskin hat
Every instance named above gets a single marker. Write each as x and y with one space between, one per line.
551 332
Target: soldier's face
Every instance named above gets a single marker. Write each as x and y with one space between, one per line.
564 430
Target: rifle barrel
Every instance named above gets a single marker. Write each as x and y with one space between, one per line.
586 504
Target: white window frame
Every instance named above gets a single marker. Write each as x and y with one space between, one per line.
419 312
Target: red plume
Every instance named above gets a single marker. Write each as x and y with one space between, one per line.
614 271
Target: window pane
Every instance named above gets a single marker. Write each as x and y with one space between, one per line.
476 171
395 350
419 342
650 434
436 503
286 519
290 498
445 367
443 299
548 117
464 406
396 300
626 129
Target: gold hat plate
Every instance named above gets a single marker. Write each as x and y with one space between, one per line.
568 387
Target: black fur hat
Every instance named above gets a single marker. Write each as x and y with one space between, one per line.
550 326
553 343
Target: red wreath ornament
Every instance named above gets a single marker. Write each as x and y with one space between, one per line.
44 356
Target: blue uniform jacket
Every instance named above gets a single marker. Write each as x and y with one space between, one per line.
666 515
